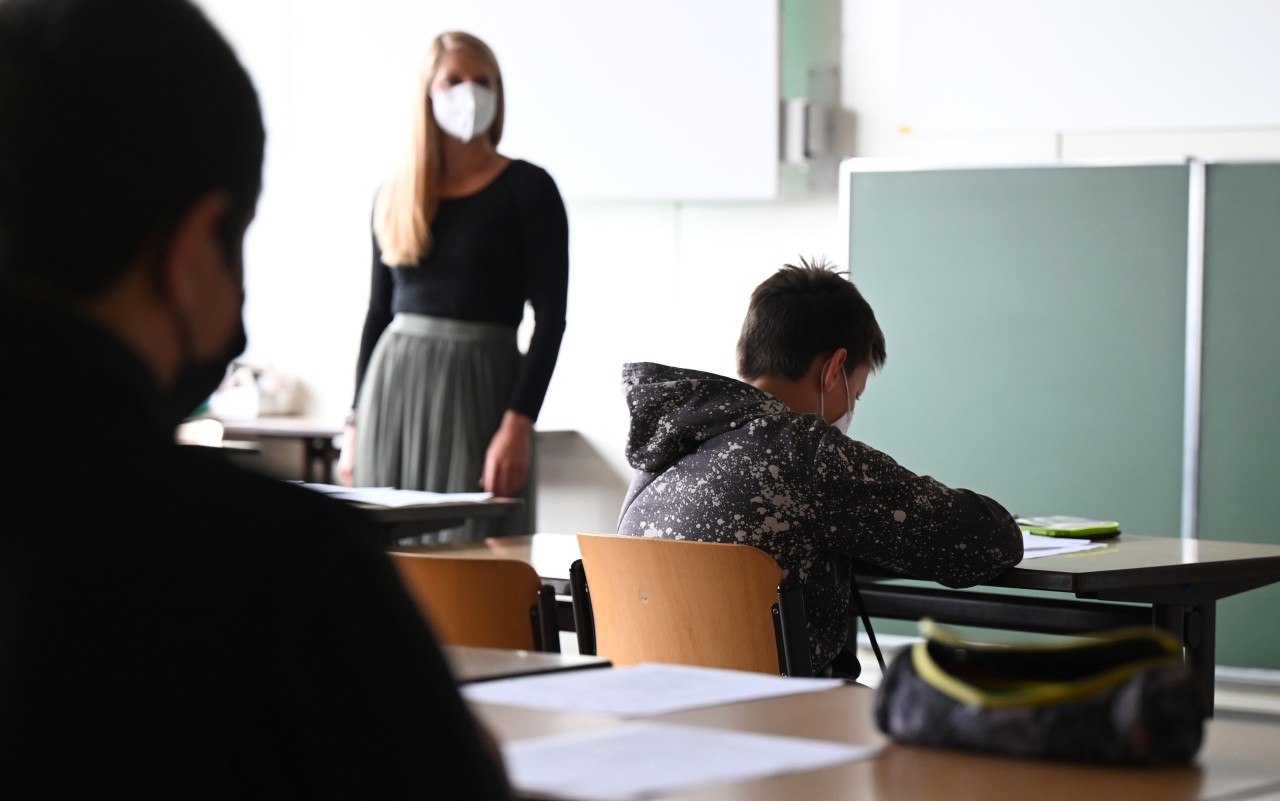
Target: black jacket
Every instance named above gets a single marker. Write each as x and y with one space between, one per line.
174 627
718 460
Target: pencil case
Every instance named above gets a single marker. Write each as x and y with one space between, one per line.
1121 696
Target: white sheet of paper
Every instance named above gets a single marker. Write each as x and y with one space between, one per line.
395 498
638 760
1037 545
327 489
640 690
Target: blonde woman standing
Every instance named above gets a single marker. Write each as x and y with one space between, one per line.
463 237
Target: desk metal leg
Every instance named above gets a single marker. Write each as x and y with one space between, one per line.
1195 626
318 454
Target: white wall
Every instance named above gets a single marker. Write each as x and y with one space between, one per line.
1164 46
649 281
701 261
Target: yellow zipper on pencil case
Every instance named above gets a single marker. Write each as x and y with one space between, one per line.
1024 692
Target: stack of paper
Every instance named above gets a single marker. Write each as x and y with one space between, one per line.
640 759
1034 545
640 690
395 498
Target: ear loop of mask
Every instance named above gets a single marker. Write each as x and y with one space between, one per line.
181 325
822 393
845 420
853 580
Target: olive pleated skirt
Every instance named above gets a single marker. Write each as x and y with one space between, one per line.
433 395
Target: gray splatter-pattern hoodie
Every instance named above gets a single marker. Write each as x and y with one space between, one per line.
718 460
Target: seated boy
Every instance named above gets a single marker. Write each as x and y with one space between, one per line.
765 461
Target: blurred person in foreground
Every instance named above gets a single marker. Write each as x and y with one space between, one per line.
171 626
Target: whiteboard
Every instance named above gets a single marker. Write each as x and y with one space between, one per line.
1014 66
660 100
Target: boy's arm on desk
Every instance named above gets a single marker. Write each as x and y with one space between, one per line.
910 524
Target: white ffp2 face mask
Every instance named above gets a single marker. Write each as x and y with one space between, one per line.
465 110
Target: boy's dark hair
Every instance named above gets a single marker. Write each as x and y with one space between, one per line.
801 312
115 116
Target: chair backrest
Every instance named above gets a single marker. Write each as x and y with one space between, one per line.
494 603
641 599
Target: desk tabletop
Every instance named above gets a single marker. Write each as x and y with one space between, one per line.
1131 561
471 664
400 522
281 427
1127 559
446 510
1238 760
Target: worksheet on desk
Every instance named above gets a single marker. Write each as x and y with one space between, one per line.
640 690
1037 545
640 760
395 498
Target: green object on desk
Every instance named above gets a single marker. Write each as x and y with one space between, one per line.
1069 526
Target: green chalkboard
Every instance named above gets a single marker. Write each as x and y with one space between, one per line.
1240 416
1036 329
1035 323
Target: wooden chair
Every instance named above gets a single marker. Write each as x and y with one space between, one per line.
640 599
494 603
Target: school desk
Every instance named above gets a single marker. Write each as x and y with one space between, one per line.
1238 760
410 521
1169 583
1172 584
315 436
472 664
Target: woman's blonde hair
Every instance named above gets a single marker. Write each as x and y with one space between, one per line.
406 205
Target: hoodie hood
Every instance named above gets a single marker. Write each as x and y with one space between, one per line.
674 411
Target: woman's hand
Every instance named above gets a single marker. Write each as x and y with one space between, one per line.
347 456
506 462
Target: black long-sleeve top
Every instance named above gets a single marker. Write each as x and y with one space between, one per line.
491 252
